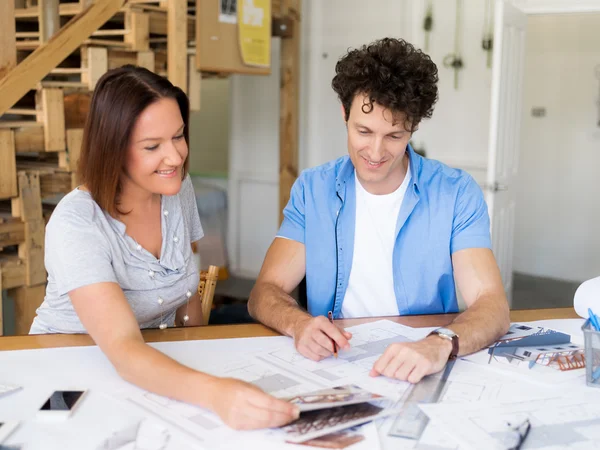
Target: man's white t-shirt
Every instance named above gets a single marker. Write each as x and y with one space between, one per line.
370 289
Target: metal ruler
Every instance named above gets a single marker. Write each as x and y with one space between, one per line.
411 421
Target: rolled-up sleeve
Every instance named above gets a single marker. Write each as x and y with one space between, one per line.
293 225
77 254
471 227
190 210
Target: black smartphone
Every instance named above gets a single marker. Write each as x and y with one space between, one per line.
61 404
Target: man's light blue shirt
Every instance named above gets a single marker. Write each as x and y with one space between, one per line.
443 211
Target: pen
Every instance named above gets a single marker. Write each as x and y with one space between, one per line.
330 316
593 319
596 374
522 431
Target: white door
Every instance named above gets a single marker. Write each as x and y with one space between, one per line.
505 121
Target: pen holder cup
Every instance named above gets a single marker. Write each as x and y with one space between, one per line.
592 354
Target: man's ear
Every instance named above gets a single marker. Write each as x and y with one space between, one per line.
343 113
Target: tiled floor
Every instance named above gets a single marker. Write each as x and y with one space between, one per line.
531 292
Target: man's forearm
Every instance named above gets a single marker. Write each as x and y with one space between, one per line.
481 324
272 306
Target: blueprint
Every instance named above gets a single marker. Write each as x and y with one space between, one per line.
283 372
520 361
145 435
468 383
556 423
115 414
202 423
352 366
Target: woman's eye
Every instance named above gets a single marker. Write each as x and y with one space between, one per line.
178 137
154 147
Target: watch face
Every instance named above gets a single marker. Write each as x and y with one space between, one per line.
446 332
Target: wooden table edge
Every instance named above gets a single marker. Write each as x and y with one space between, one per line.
257 330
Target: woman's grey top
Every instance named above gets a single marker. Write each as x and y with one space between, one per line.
85 245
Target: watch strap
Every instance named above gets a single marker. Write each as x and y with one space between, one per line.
453 339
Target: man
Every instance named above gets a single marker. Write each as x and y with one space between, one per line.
383 231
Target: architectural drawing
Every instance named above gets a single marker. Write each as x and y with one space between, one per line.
565 423
144 435
368 342
534 353
468 383
206 425
265 376
285 373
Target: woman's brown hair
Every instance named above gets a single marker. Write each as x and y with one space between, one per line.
118 100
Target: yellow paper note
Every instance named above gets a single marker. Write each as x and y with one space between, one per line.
254 30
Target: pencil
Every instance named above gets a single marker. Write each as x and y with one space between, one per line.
330 316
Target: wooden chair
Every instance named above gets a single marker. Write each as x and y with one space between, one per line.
206 290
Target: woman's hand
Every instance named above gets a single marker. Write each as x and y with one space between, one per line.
243 406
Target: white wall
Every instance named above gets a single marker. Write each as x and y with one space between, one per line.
558 212
336 26
458 132
209 129
253 168
328 29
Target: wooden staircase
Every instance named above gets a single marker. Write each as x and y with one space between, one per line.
52 53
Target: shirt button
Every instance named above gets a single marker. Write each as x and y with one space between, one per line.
151 274
166 213
139 247
160 301
176 239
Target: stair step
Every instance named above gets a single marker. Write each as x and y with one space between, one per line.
27 45
105 43
20 124
110 33
67 71
64 84
65 9
27 34
22 111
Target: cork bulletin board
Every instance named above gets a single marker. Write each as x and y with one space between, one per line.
217 39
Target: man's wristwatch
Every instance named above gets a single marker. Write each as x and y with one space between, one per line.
450 335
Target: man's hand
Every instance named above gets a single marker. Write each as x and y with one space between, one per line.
243 406
411 361
313 337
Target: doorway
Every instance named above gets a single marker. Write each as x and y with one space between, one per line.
556 242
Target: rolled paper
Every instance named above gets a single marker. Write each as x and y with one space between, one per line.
587 296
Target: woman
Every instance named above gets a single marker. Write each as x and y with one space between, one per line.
118 248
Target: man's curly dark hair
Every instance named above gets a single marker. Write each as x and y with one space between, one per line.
392 73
